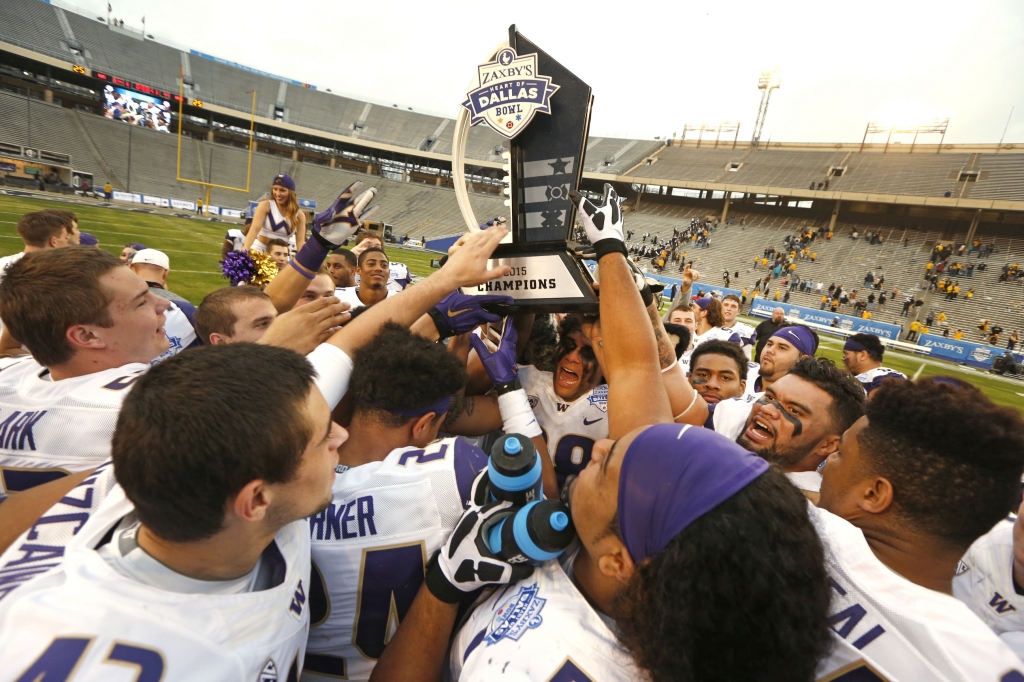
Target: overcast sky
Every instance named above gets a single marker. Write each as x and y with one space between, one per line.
653 66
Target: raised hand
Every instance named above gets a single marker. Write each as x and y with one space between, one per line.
467 259
602 223
501 366
306 327
345 216
458 313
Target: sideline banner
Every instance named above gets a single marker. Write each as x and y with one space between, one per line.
858 325
966 352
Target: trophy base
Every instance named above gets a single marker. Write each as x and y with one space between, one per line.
547 281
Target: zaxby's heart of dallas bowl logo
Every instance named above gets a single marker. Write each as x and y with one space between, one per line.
508 92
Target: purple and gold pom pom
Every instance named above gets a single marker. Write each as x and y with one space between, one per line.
238 267
265 269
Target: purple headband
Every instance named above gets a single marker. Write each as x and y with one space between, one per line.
135 245
801 338
284 180
439 407
703 302
671 475
86 239
854 346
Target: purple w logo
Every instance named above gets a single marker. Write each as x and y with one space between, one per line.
1001 604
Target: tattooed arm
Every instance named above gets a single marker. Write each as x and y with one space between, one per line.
687 406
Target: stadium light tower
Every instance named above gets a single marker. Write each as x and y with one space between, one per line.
769 80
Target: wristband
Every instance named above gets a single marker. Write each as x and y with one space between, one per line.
508 387
610 245
439 585
443 330
313 253
692 401
646 295
517 415
307 275
333 370
674 363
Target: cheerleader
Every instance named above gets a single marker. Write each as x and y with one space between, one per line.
277 217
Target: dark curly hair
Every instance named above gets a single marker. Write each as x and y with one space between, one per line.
399 370
728 349
847 394
954 457
740 594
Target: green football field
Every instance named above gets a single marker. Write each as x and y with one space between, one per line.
194 249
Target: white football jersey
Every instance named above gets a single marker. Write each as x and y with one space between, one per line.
371 547
570 429
716 334
5 263
539 629
48 428
747 334
873 378
399 277
885 627
53 531
86 618
236 237
179 330
349 295
984 582
728 417
753 374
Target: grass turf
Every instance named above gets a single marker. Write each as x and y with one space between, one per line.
193 246
194 249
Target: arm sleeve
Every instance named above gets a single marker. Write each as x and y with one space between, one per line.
469 461
333 370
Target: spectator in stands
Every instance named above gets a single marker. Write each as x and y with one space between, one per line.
277 249
1011 344
958 335
108 191
233 315
342 265
153 266
129 250
915 327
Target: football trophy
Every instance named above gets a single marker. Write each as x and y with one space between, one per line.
543 110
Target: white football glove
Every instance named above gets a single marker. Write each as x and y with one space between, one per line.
344 217
465 563
603 223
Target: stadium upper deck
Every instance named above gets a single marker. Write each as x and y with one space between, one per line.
979 177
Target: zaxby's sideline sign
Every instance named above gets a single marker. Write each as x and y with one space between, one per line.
508 92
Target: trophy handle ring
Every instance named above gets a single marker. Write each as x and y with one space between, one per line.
462 126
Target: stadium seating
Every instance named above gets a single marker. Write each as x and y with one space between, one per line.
918 174
34 25
688 163
1001 177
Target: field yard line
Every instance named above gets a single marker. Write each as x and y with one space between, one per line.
918 372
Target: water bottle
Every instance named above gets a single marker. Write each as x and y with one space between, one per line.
514 470
538 532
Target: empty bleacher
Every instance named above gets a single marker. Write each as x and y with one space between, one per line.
917 174
782 168
34 25
1001 177
688 163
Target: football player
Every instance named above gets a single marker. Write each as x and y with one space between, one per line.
710 322
783 349
989 580
234 240
397 496
126 590
718 371
903 499
342 265
662 514
372 288
862 357
730 312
